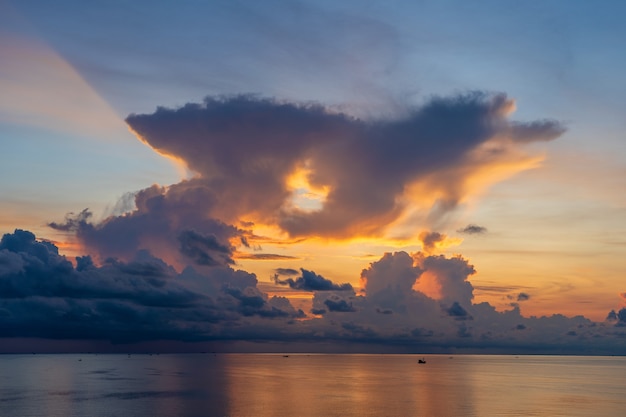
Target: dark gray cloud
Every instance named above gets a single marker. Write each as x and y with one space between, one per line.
253 302
419 333
264 256
204 250
612 316
619 318
244 147
310 281
339 305
458 312
72 221
43 295
523 296
473 229
289 272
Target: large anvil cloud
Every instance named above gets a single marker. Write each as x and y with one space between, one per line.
244 149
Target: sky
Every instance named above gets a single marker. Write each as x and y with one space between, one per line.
313 176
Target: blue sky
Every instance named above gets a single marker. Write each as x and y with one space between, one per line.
554 212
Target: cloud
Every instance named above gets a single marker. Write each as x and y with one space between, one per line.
618 319
265 256
72 221
164 270
458 312
540 130
43 295
393 272
472 229
286 271
204 250
244 149
310 281
430 239
523 296
451 276
172 222
339 305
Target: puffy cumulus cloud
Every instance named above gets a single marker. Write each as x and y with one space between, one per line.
617 318
246 150
174 223
310 281
42 294
450 275
395 273
395 313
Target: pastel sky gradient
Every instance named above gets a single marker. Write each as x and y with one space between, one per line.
406 175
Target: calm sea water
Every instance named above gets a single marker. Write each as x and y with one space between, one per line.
263 385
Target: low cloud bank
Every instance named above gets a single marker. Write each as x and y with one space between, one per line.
44 295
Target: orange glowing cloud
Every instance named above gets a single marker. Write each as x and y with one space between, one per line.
179 163
428 285
427 199
433 242
304 195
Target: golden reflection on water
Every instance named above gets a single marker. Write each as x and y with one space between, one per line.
322 385
396 385
276 385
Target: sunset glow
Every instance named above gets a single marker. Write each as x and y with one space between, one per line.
343 175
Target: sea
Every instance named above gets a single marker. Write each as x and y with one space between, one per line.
310 385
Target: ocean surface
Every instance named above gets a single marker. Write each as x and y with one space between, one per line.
301 385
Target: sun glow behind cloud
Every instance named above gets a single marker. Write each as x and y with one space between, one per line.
304 195
304 178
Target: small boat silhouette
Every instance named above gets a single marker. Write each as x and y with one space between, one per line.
421 361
